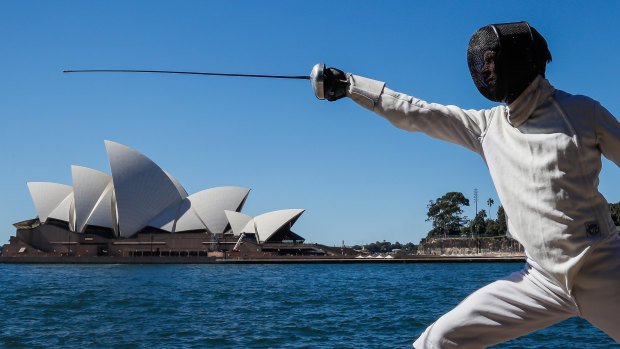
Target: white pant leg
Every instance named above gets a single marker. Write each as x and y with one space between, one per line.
523 302
597 287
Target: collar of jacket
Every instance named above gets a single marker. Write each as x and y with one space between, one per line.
534 95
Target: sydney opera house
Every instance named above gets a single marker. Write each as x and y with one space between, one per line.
142 210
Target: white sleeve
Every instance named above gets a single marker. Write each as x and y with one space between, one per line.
608 134
448 123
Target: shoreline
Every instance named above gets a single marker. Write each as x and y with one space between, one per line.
260 260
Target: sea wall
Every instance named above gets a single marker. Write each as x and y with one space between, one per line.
107 260
469 246
259 260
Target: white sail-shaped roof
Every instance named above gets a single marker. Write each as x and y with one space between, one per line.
167 218
140 194
269 223
176 183
47 196
72 215
63 210
210 205
188 218
177 218
263 226
142 188
238 221
103 214
88 189
250 228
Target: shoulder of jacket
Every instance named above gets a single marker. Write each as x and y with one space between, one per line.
497 112
493 116
565 97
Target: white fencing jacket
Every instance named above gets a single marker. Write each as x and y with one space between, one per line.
544 155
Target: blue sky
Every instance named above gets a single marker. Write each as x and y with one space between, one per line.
359 178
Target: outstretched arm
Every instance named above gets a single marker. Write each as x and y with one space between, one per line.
608 134
448 123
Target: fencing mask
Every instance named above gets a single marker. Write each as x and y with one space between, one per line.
504 58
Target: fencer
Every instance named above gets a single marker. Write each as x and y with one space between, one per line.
543 150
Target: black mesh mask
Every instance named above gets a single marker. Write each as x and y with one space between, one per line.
501 60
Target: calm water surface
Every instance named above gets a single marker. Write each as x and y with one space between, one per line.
247 306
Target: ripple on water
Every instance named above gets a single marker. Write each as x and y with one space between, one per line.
246 306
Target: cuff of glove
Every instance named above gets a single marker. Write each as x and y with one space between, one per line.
364 91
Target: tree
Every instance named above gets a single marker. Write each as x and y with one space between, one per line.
373 247
446 214
409 248
466 230
492 228
478 225
614 209
501 221
490 202
386 246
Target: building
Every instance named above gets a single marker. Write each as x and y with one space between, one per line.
142 210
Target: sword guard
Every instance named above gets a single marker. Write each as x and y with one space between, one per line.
316 78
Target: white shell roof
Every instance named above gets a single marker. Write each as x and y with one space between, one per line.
177 218
63 210
188 218
265 225
268 223
238 221
142 189
139 194
47 196
250 228
166 219
103 214
88 188
210 205
176 183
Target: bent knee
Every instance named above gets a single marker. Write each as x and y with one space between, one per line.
465 326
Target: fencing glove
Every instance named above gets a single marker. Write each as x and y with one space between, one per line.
336 83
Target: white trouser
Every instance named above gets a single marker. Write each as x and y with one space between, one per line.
529 300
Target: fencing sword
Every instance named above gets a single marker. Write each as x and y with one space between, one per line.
315 77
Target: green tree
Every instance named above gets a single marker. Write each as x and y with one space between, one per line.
373 247
490 202
501 221
386 246
492 228
466 230
614 209
446 214
410 247
478 225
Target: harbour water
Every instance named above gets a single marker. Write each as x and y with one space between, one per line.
247 306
